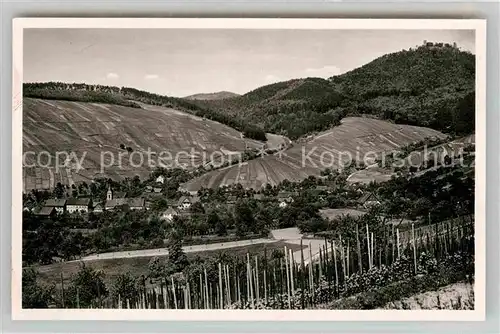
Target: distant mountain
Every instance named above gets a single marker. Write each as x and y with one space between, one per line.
212 96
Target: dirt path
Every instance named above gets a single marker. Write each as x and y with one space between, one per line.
164 251
290 235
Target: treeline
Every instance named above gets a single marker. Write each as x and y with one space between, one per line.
80 93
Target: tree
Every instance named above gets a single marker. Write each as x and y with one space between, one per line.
177 259
87 288
35 295
159 204
244 218
197 207
213 220
156 267
59 190
124 286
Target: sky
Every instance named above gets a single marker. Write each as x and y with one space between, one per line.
181 62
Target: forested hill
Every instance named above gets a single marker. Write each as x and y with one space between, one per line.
292 108
432 85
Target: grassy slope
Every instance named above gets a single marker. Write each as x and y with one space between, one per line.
382 174
355 134
51 125
139 266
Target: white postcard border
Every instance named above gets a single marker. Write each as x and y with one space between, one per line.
478 314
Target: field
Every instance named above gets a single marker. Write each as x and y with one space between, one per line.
354 138
139 265
88 129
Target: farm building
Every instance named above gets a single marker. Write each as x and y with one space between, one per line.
47 211
160 179
169 214
113 203
368 200
137 203
152 191
58 204
285 198
185 202
99 208
78 205
258 197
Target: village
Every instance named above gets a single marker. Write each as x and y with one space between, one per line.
118 200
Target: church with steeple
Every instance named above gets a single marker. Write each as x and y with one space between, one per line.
118 198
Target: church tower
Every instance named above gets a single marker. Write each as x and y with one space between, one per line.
109 195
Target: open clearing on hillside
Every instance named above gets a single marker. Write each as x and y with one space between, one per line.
356 138
383 174
336 213
89 129
139 265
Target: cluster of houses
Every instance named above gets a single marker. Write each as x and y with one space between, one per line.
85 205
71 205
181 208
115 199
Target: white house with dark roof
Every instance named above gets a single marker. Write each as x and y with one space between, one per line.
78 205
137 203
285 198
169 214
186 202
368 200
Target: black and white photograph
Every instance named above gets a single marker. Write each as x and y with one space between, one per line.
249 165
